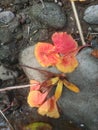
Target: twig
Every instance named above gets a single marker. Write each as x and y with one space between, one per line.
78 22
42 3
6 120
16 87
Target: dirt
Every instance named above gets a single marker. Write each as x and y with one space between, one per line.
16 108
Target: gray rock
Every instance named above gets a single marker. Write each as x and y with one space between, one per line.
91 14
50 15
6 17
13 25
8 53
6 74
82 108
5 35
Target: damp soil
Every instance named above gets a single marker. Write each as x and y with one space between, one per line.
13 103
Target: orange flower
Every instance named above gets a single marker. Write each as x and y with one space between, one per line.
49 108
61 54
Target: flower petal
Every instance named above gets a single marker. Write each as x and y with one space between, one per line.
67 64
58 91
45 54
49 108
71 86
64 42
35 85
36 98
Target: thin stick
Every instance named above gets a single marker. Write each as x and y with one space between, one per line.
16 87
6 120
78 22
42 3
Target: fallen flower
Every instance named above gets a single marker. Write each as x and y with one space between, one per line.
45 103
62 54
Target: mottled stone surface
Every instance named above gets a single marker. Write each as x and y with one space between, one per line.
91 14
51 14
6 17
6 73
82 107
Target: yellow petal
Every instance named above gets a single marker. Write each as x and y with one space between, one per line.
58 91
67 64
54 80
71 86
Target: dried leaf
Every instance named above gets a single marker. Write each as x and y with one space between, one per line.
71 86
58 90
45 54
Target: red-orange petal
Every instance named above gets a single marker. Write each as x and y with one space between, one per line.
49 108
36 98
45 54
35 85
67 64
64 42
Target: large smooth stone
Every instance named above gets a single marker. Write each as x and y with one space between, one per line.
82 108
50 15
91 14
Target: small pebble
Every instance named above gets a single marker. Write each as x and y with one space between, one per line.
6 17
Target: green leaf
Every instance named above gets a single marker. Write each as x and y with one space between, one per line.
38 126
